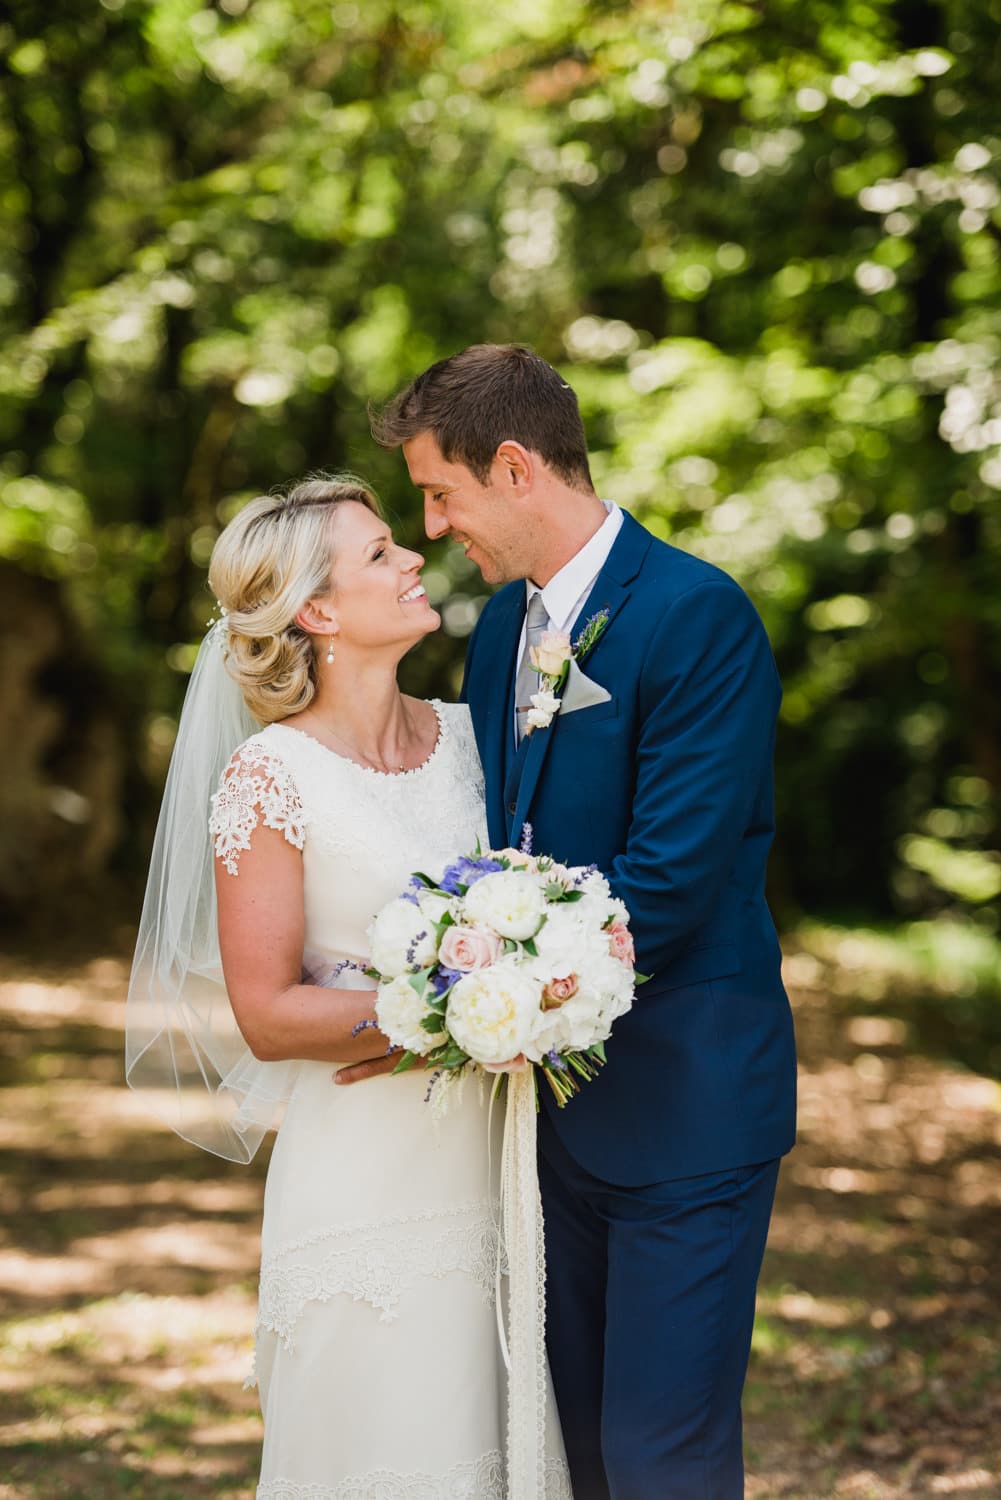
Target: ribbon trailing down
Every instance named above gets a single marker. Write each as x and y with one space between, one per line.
522 1234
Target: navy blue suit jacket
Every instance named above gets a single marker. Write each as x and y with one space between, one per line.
668 789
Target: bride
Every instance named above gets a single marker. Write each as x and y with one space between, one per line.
377 1354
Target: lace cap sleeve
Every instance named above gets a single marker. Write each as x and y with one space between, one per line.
256 787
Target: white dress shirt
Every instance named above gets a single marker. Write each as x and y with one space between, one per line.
565 595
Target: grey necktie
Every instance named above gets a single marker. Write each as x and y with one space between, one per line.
527 681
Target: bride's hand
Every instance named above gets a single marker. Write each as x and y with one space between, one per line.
371 1067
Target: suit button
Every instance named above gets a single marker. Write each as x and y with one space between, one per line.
511 806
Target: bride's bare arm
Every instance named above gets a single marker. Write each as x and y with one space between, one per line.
261 932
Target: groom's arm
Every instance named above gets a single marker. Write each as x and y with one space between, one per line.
709 696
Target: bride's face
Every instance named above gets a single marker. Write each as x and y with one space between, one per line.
376 585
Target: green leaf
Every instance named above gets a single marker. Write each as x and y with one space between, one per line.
372 974
433 1024
529 947
451 1056
406 1062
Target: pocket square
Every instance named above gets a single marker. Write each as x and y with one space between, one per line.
581 692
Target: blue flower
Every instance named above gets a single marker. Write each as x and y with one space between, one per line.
466 872
442 979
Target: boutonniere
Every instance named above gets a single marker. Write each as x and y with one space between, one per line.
555 659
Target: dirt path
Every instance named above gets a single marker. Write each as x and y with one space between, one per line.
127 1264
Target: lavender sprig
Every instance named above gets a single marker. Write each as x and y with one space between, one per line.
590 634
412 951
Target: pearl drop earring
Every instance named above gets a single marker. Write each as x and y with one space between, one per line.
330 651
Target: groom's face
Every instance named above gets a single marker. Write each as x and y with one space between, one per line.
482 518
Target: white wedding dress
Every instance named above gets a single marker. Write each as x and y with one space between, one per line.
377 1352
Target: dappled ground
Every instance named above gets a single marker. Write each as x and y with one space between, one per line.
127 1264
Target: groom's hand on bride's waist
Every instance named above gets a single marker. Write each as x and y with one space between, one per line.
369 1067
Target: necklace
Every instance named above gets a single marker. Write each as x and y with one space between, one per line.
359 756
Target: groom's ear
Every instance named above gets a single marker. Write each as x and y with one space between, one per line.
515 465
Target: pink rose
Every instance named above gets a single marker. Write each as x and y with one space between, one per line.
558 991
517 859
513 1065
468 948
620 944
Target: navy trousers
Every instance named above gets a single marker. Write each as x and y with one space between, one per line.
650 1306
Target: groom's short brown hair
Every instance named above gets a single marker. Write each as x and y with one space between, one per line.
486 395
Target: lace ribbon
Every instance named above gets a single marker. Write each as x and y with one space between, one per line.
522 1234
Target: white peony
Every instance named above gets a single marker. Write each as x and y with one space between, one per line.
573 939
510 901
400 1011
401 939
568 941
597 903
436 904
491 1013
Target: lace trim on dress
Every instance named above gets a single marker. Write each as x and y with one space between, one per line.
256 787
482 1479
425 765
375 1267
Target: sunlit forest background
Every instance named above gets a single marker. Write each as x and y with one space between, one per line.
763 243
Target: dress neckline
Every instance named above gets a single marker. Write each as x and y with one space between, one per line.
346 760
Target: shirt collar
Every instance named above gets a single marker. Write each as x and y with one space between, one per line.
566 589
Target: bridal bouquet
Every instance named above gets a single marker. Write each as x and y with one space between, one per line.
508 960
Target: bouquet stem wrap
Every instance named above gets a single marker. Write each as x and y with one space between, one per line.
523 1237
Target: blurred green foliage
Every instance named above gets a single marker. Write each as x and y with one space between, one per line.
762 241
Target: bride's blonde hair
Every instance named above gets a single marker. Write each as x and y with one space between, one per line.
272 557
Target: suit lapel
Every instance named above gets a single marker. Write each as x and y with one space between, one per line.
609 593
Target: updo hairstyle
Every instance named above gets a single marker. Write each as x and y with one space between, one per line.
271 558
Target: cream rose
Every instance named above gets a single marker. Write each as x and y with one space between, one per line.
400 939
518 859
491 1013
468 949
551 653
510 901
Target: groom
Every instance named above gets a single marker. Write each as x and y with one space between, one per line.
659 1176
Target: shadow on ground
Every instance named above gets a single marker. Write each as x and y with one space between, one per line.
127 1266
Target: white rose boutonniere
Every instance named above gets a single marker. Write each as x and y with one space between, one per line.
554 658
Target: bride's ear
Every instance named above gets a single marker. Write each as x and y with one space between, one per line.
318 617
